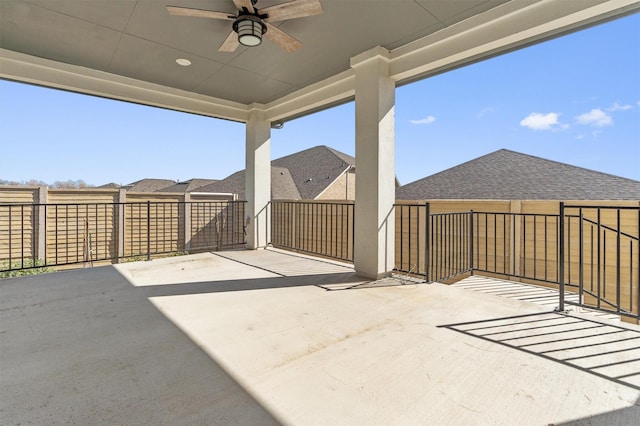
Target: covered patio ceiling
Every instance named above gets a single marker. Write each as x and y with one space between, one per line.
127 49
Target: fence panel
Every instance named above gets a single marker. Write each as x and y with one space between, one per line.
152 228
517 245
34 235
78 233
18 235
217 225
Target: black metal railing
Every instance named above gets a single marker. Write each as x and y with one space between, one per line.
217 225
593 251
314 227
436 246
600 252
37 235
517 245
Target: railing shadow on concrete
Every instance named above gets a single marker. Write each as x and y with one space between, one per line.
603 349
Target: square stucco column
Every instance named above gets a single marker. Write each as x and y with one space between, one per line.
375 157
258 180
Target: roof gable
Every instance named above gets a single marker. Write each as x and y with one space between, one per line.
510 175
313 169
303 175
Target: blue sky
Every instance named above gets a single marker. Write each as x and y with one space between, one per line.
575 99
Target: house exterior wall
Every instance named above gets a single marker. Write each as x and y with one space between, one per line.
343 188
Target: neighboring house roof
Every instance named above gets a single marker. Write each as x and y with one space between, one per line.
303 175
282 185
509 175
148 185
191 185
314 169
109 186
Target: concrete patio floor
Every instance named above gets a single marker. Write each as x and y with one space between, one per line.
268 337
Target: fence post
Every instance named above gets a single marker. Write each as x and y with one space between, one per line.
187 221
561 257
471 241
515 234
148 230
638 269
41 224
120 220
427 245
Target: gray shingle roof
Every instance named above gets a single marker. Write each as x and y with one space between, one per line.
509 175
148 185
111 185
303 175
282 186
191 185
313 169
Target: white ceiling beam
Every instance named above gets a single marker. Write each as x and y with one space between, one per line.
43 72
332 91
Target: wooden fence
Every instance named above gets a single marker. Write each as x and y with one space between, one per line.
75 226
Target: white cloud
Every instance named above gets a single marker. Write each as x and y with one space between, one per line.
538 121
427 120
485 111
618 107
595 117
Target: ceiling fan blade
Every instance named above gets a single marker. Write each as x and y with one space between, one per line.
230 44
281 38
198 13
244 4
292 9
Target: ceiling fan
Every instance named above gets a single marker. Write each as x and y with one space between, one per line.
251 23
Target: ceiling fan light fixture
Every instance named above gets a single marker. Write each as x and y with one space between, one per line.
250 30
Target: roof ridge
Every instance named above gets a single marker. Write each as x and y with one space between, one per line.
522 154
566 164
341 155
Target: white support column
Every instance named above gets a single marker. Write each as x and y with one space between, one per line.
258 179
374 254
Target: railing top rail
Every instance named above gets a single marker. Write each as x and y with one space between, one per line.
593 207
333 202
144 202
607 227
450 213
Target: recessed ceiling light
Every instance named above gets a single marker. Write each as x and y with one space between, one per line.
183 62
